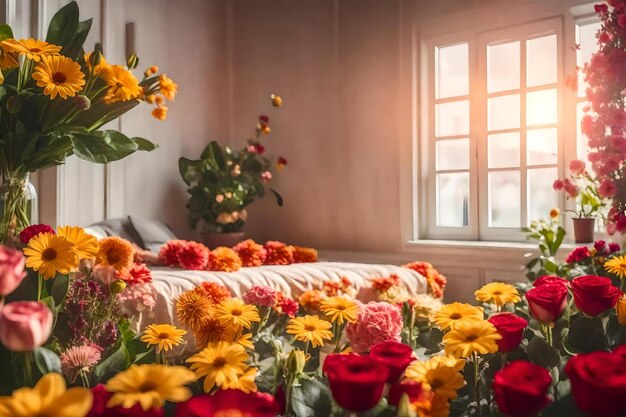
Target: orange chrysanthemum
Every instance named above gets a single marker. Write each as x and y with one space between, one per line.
168 255
167 87
311 300
304 255
213 331
250 253
223 259
193 256
117 253
436 281
216 292
335 288
278 253
383 284
194 309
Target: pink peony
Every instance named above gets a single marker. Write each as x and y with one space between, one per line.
260 295
607 189
168 255
377 322
193 256
79 359
577 167
137 298
11 270
25 325
31 231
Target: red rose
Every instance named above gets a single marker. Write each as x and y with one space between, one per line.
598 383
254 404
549 279
547 302
511 328
593 294
99 409
356 382
394 355
411 388
520 388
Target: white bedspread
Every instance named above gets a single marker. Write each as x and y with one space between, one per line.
292 280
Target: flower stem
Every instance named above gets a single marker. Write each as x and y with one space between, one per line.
28 367
503 356
476 382
39 286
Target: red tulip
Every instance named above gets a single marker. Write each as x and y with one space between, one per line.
547 302
25 325
394 355
520 389
511 328
594 295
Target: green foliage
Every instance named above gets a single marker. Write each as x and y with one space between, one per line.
549 235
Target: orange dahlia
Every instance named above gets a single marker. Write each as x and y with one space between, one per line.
168 255
194 309
116 252
278 253
215 291
304 255
193 256
223 259
250 253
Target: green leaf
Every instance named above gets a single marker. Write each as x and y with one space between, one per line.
541 354
74 49
47 361
63 25
214 155
312 398
102 146
279 198
144 144
5 32
59 288
113 364
587 335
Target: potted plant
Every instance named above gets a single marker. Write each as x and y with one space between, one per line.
590 196
224 181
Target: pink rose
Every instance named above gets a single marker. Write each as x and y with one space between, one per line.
25 325
11 270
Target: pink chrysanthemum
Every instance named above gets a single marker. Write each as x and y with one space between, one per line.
79 359
260 296
193 256
302 254
137 274
168 255
377 322
286 305
223 259
278 253
250 253
31 231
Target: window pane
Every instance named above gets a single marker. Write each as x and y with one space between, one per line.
541 196
503 112
541 107
452 119
452 154
504 199
503 150
541 61
452 71
582 145
503 66
588 44
541 147
452 199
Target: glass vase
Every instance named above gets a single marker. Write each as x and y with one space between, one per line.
18 202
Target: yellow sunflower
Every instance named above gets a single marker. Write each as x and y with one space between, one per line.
164 336
233 312
33 49
471 337
617 266
85 245
244 383
49 254
8 59
220 363
194 310
442 379
123 85
340 309
48 397
150 386
167 87
59 75
116 252
453 313
497 293
310 329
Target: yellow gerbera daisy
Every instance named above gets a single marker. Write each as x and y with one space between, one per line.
617 266
49 254
167 87
48 397
244 383
471 337
498 293
116 252
33 49
194 310
340 309
239 337
150 386
85 245
8 59
164 336
310 329
59 75
443 380
123 85
220 363
233 312
450 314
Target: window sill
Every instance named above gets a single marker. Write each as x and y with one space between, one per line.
476 244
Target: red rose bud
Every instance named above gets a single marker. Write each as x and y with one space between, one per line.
511 328
520 389
229 402
598 383
393 355
411 388
550 279
356 382
594 295
547 302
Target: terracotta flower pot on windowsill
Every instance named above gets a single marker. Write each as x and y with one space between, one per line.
214 239
584 229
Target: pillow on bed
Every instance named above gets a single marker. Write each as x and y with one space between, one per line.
116 227
152 234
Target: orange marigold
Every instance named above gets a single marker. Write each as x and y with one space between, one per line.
216 292
383 284
304 255
278 253
335 288
250 253
193 256
194 309
311 300
436 281
223 259
168 255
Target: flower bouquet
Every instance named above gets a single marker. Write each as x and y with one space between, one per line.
54 99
